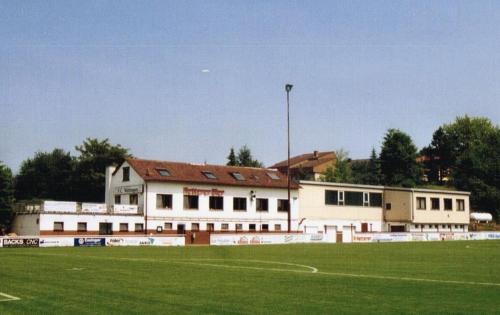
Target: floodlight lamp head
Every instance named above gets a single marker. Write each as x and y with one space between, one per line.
288 87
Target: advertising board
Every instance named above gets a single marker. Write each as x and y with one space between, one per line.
94 208
20 242
145 241
56 241
59 206
125 209
265 238
89 241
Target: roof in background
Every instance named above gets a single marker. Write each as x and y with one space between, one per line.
193 173
307 159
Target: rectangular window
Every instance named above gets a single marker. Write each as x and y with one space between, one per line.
375 200
190 202
168 226
435 204
224 226
209 175
239 227
216 203
366 200
238 176
163 172
163 201
139 227
126 174
262 204
118 199
264 227
388 206
277 227
448 204
341 198
133 199
239 204
421 203
283 205
460 205
251 227
195 226
353 198
210 227
331 197
82 227
58 226
123 227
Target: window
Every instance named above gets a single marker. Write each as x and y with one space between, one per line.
118 199
238 176
277 227
264 227
168 226
239 204
251 227
460 205
216 203
262 204
331 197
190 202
58 226
163 172
421 203
417 226
388 206
133 199
163 201
123 227
195 226
126 174
353 198
210 227
82 227
435 204
239 227
366 200
273 176
209 175
224 226
375 200
283 205
448 204
139 227
341 198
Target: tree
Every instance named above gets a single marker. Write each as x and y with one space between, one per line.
45 176
6 197
232 160
469 149
398 160
366 172
374 172
90 172
341 172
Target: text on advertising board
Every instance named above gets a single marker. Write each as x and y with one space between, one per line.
21 242
203 192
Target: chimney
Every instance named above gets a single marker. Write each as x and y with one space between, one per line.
108 196
315 154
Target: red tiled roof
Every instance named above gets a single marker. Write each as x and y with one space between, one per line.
192 173
306 160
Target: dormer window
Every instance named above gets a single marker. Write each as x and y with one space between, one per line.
209 175
238 176
126 174
273 176
163 172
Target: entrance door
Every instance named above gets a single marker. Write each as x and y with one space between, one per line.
105 228
331 232
339 237
347 234
364 227
181 229
397 228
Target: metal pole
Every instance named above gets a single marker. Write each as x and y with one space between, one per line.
288 88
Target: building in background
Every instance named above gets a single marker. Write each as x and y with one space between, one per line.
309 166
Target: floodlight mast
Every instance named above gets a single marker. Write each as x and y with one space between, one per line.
288 88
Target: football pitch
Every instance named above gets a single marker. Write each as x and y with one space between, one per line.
461 277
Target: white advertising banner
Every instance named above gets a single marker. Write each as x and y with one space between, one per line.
424 236
145 241
126 209
56 241
265 238
59 206
94 207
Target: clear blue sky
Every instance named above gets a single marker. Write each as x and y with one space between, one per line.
132 72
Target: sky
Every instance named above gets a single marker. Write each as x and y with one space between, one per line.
188 80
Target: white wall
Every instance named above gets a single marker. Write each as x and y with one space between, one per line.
26 224
71 221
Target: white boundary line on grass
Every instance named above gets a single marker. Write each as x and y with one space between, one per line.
8 297
312 270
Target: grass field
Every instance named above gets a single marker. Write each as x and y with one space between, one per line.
431 277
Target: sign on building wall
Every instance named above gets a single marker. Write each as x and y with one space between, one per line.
126 209
203 192
59 206
133 189
94 207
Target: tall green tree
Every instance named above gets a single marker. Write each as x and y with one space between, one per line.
366 172
45 176
232 160
374 172
90 172
469 149
6 197
341 172
398 160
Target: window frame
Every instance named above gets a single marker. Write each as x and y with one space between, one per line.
237 203
460 204
165 199
126 174
123 224
334 201
136 199
141 225
61 229
433 200
187 204
280 205
212 203
450 208
78 229
258 204
418 201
